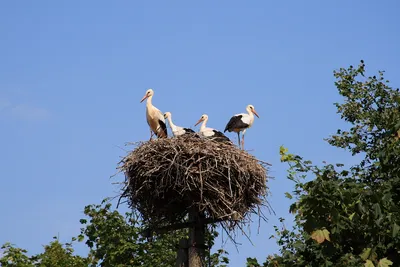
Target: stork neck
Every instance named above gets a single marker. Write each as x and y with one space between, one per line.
203 125
171 124
250 113
149 103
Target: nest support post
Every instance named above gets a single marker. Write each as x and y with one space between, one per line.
196 240
182 259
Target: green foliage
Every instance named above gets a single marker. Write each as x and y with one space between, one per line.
384 263
252 262
114 240
13 256
117 240
349 217
55 255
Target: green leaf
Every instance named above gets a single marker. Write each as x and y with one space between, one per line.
351 216
326 234
80 238
293 208
377 210
366 253
396 229
384 263
283 150
360 207
320 235
368 263
289 196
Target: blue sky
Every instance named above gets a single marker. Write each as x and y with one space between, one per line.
72 74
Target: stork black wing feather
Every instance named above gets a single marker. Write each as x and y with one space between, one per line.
235 123
219 136
188 130
163 129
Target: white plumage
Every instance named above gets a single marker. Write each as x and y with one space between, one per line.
155 118
241 122
210 132
176 130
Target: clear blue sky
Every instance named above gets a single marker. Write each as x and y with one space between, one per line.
72 74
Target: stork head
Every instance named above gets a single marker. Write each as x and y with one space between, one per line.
250 108
203 117
148 93
167 115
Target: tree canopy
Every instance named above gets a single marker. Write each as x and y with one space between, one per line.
113 240
348 217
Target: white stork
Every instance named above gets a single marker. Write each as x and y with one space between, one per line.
241 122
176 130
155 118
210 132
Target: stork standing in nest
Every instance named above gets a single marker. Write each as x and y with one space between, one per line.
210 132
155 118
176 130
241 122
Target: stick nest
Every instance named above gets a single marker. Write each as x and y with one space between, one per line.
165 178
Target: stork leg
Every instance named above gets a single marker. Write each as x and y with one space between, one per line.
244 131
151 135
238 133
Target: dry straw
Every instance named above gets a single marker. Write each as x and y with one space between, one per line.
165 178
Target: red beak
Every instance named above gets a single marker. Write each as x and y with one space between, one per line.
145 96
255 113
198 122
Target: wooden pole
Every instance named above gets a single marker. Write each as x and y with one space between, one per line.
182 256
196 240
